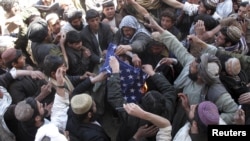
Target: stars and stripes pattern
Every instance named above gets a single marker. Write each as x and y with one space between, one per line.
132 79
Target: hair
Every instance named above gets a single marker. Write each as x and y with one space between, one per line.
33 103
92 13
209 22
51 64
244 4
154 102
208 7
223 59
227 39
170 14
8 4
73 37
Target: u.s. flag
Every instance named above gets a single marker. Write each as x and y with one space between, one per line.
132 78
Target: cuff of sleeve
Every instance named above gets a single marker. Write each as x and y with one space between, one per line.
13 73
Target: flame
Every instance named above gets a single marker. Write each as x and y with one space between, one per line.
144 88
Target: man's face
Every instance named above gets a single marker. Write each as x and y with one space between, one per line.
42 111
201 9
128 32
94 23
220 40
15 9
76 46
166 23
55 25
156 49
20 62
77 23
109 12
193 71
242 12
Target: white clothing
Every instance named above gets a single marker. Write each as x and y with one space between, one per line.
59 110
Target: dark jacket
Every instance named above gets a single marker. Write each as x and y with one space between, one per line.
105 36
131 124
85 131
40 50
78 65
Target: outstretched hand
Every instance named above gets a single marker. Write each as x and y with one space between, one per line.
152 23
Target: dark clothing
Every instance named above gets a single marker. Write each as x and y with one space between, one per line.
41 50
85 131
78 65
89 40
236 86
130 124
26 133
138 44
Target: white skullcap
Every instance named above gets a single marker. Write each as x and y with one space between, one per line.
213 68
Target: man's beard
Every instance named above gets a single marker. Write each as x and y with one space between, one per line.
78 27
193 77
94 117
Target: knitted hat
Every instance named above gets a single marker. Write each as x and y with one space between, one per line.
37 30
23 111
208 113
81 103
72 14
213 68
108 3
234 33
9 55
234 65
210 3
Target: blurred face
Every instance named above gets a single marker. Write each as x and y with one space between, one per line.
128 32
20 62
76 46
166 23
15 9
201 9
55 25
156 49
77 23
42 111
47 2
109 12
120 3
242 11
220 40
94 24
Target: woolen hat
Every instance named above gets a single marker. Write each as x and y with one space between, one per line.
81 103
9 55
37 30
23 111
234 33
208 113
210 3
108 3
72 14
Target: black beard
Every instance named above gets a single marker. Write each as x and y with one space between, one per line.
79 28
193 77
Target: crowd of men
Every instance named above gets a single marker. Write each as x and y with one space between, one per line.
122 70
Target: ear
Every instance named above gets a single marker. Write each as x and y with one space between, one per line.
89 114
13 64
53 75
38 118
